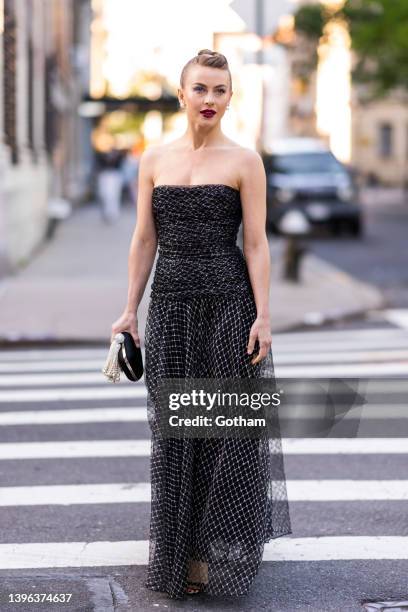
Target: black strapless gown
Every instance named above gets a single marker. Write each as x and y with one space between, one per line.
214 501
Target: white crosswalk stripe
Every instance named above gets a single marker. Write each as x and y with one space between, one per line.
284 356
399 316
48 365
141 448
45 390
124 390
79 415
73 448
138 492
60 394
126 414
40 380
135 552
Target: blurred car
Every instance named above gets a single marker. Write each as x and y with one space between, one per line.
303 174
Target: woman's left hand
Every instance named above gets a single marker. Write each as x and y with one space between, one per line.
261 330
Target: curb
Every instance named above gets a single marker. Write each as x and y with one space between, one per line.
47 341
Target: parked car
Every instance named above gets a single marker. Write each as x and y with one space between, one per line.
303 174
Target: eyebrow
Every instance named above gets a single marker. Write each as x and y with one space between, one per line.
204 85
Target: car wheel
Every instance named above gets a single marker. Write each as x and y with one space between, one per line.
335 228
355 228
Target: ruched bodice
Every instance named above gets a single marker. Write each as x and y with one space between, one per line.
197 228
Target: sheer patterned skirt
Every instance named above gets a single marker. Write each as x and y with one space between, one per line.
214 502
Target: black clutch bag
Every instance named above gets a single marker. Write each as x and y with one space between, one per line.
124 356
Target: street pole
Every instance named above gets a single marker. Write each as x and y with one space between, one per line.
259 24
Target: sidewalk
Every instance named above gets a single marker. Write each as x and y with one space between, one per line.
76 286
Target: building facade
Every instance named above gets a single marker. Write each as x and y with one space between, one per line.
380 139
43 65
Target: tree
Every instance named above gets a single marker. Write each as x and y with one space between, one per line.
379 33
310 20
379 38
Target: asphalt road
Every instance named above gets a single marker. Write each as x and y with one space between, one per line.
74 472
380 256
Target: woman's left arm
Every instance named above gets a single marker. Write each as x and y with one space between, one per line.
256 247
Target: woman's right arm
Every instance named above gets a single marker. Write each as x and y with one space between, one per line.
143 248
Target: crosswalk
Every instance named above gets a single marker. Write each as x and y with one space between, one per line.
71 442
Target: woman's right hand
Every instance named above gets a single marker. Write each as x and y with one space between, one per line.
126 322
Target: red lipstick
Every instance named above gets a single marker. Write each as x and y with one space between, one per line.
208 113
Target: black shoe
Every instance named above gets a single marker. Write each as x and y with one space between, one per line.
194 587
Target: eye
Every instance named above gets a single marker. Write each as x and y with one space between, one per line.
200 88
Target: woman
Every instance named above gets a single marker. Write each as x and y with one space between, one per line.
215 502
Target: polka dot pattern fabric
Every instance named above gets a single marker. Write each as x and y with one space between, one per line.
214 502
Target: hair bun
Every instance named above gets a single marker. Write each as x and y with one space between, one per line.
206 57
207 52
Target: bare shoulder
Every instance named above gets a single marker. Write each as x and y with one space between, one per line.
250 166
242 154
250 156
148 162
151 153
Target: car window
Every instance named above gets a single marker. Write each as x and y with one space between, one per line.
304 163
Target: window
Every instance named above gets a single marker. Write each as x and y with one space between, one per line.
385 140
305 163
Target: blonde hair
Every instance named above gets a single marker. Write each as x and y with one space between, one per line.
206 57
